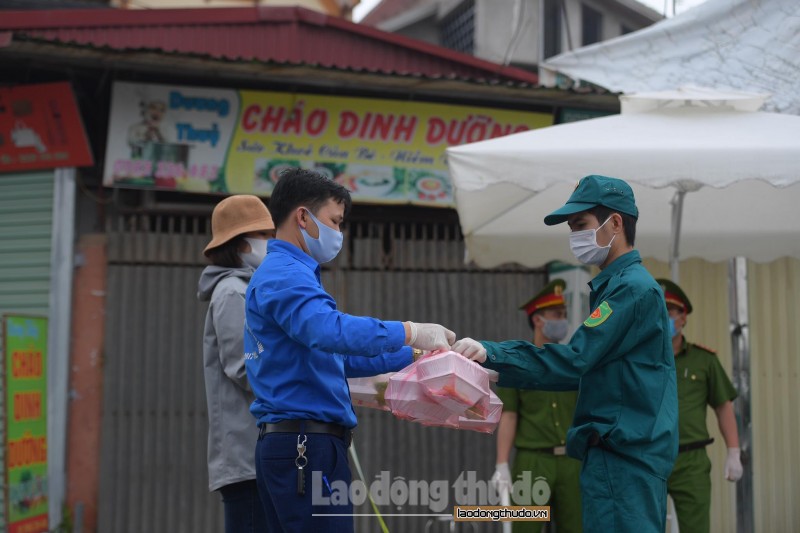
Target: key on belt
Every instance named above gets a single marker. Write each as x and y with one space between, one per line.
300 462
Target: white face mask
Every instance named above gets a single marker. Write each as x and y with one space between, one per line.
585 248
555 330
257 253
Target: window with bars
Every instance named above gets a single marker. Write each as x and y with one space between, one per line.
458 28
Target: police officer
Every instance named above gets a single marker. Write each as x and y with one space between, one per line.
701 381
536 423
625 428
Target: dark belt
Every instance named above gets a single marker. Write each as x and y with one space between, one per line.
557 450
307 426
694 445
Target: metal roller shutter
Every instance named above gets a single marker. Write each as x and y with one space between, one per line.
153 460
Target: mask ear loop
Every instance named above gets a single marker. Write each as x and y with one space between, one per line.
598 229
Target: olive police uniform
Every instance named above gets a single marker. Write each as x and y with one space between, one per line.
543 418
702 382
625 428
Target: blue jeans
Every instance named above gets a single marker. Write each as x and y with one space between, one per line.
327 470
243 510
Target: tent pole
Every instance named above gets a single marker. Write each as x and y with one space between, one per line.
740 351
675 234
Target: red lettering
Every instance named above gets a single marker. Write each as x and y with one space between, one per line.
362 133
272 119
455 133
436 128
404 131
498 130
26 364
27 406
250 117
27 451
381 127
317 122
294 122
348 124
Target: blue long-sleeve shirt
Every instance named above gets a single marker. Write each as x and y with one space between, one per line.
299 349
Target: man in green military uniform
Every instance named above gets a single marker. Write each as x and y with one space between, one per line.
536 422
701 381
625 428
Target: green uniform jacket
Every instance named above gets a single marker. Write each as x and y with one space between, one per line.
622 364
543 417
701 381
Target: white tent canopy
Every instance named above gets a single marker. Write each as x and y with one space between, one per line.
750 45
740 169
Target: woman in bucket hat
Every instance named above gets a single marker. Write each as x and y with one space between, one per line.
240 227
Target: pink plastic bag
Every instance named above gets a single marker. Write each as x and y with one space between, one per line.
455 393
370 392
455 382
493 412
494 408
407 400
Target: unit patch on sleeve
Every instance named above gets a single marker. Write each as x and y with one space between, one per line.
598 316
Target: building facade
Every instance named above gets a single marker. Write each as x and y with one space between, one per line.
519 32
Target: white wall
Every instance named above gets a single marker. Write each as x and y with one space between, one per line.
494 26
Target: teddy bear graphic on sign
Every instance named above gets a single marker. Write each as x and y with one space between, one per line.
149 129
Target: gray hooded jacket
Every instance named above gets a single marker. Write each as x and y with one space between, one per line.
232 431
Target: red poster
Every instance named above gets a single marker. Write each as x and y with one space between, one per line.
40 127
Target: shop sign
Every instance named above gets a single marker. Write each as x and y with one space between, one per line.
40 127
25 386
237 141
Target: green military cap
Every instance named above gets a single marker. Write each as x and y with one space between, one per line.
592 191
674 295
551 295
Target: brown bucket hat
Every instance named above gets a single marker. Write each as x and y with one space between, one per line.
235 215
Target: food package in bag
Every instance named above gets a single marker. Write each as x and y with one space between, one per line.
370 392
455 382
492 405
406 397
494 408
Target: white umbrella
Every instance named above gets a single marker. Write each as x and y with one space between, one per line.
705 167
738 169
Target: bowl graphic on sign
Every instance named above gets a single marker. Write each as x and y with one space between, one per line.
366 180
269 171
429 186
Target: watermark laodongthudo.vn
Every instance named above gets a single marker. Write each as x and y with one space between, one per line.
467 491
505 513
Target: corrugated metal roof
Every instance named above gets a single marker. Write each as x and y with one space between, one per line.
290 35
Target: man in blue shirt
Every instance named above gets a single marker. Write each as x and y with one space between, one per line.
299 350
625 428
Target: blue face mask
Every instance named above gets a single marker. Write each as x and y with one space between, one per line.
327 246
673 331
555 330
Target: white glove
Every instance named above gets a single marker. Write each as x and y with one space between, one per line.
733 465
430 337
501 479
471 349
